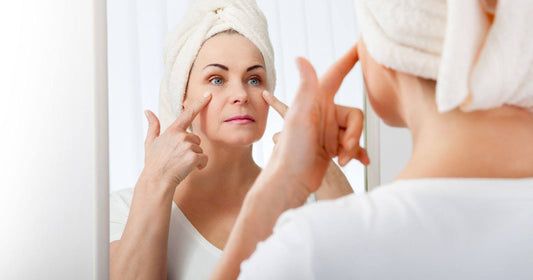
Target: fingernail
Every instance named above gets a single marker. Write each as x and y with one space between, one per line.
299 64
146 114
207 94
266 93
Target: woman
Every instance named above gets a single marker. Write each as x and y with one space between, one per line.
177 220
459 75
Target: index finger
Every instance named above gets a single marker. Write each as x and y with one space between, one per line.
186 117
332 79
279 106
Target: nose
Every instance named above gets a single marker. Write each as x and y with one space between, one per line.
239 95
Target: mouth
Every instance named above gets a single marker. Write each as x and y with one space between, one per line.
240 119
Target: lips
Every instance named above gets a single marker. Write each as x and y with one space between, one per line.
240 119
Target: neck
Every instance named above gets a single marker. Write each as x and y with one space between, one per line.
230 171
494 143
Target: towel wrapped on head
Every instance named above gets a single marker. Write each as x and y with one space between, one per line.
479 51
204 19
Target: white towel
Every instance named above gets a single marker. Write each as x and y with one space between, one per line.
478 63
203 19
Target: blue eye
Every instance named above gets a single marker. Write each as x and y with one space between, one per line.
216 81
254 81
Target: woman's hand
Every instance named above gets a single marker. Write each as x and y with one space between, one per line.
350 122
315 130
334 184
142 250
171 156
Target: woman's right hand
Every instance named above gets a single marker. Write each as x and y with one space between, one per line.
171 156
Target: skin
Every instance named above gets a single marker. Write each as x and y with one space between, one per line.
486 144
228 78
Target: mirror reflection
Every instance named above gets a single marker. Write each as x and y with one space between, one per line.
197 95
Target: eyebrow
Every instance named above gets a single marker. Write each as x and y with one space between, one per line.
226 68
217 65
254 67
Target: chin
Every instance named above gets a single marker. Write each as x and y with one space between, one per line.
242 139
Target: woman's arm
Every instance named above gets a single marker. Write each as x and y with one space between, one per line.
270 196
142 250
141 253
309 139
334 184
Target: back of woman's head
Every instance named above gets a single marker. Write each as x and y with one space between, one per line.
479 52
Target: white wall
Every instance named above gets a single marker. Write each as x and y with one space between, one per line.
53 147
319 30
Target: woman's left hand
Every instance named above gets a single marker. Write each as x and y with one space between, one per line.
350 125
334 184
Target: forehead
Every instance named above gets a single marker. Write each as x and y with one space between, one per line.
231 50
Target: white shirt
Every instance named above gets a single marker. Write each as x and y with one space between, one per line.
415 229
190 255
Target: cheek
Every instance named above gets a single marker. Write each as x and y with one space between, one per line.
377 96
380 93
374 83
211 113
261 108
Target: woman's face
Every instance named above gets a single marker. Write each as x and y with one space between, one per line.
232 69
379 83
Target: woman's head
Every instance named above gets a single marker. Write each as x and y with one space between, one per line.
232 69
392 93
451 48
207 24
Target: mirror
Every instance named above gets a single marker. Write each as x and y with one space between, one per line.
318 30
